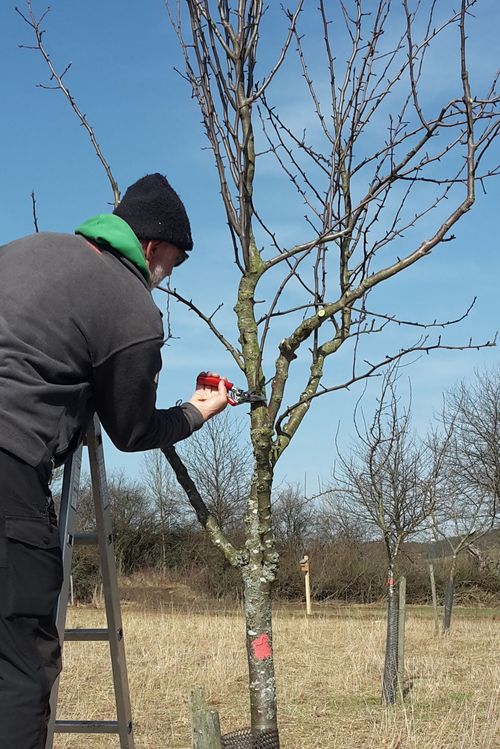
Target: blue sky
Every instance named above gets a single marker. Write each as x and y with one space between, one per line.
123 78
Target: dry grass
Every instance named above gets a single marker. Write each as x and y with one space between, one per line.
328 669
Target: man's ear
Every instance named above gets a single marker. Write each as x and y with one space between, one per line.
149 247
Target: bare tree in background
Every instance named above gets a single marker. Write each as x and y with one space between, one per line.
470 503
164 496
293 518
219 462
132 518
383 172
389 482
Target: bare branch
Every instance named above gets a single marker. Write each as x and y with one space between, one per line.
292 17
374 368
208 319
59 84
413 323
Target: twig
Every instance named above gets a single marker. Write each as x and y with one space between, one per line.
33 205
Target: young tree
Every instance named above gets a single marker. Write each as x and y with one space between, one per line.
351 183
390 482
470 504
382 159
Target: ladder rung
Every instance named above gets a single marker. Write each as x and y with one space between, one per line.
82 635
86 726
85 539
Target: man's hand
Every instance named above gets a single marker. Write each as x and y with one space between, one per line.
210 400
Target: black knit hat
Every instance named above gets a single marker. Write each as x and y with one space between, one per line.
153 210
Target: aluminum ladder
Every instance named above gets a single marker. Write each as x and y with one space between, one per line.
113 632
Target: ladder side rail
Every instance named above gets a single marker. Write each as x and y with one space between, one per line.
67 523
110 584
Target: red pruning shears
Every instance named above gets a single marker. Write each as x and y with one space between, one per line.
235 396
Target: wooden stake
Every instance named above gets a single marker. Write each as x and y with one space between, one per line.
304 566
434 599
205 722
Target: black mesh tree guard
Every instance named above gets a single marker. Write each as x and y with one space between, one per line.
390 678
242 739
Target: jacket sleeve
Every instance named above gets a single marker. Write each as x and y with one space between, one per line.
125 400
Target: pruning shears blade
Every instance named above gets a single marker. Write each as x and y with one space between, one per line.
239 396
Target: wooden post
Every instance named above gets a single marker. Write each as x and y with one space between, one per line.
304 566
401 636
434 599
71 591
205 722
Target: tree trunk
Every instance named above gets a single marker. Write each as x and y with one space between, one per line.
258 576
390 678
449 597
258 563
258 616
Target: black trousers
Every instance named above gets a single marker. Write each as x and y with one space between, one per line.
30 581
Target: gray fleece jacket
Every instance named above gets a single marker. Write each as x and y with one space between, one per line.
79 333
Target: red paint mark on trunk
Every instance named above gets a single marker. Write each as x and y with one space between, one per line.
390 581
261 647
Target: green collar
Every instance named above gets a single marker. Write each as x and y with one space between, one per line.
108 229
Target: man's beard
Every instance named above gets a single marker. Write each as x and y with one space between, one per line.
156 276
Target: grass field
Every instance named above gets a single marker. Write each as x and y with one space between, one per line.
328 670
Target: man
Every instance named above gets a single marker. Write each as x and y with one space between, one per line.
79 333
